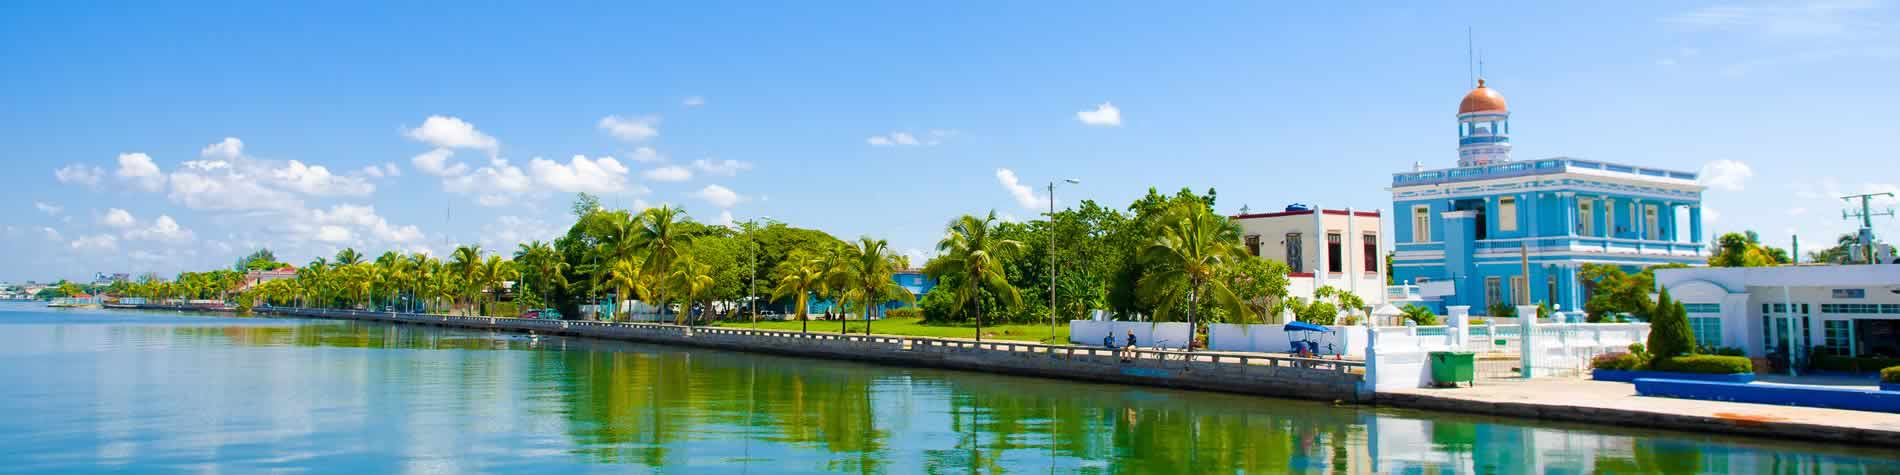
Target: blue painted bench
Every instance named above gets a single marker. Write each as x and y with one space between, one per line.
1806 396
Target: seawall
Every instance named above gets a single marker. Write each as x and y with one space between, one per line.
1252 374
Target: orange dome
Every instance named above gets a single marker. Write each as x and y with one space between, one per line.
1482 99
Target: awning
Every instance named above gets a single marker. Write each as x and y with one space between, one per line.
1306 327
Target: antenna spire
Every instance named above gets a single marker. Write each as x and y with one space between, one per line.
1471 77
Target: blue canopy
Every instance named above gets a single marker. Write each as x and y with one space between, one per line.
1306 327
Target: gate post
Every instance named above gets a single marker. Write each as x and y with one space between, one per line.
1527 346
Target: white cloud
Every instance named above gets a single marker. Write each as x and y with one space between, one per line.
668 173
494 200
138 169
363 218
452 132
600 175
1797 211
229 149
694 101
497 177
1105 115
719 196
386 170
1023 195
97 242
118 218
900 138
317 180
646 155
1811 19
1710 215
631 129
49 209
725 217
332 233
218 185
1727 175
436 162
508 231
727 167
77 174
51 234
162 229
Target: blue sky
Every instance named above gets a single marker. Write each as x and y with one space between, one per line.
881 119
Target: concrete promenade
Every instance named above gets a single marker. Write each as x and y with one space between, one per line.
1252 374
1602 402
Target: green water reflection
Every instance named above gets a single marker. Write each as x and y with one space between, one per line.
412 399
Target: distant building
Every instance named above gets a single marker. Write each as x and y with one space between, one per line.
255 277
1336 247
1845 310
1462 234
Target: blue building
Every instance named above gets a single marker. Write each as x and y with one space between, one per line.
913 280
1463 235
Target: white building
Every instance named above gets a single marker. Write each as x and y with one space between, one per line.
1333 247
1845 310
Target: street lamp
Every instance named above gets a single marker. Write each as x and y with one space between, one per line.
1052 256
752 252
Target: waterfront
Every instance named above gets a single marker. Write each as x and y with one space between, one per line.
168 392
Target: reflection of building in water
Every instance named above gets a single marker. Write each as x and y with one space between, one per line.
1454 445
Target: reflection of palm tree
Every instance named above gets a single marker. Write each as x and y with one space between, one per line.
970 262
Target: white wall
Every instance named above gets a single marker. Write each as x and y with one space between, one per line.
1345 340
1147 334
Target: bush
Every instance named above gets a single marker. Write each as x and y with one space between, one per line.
1708 364
1822 360
904 313
1501 310
1890 375
1420 315
1669 332
1318 313
1638 348
1617 361
940 307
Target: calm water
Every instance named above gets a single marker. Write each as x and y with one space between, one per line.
88 391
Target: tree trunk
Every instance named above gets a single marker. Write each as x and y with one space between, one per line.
979 315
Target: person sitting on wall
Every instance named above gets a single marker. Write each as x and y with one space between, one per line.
1108 340
1129 348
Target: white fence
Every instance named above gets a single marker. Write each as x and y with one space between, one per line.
1147 334
1343 340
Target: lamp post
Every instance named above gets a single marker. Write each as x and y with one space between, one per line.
1052 256
752 253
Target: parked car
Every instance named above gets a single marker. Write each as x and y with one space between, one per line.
547 314
531 314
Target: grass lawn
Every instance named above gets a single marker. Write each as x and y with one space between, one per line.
916 327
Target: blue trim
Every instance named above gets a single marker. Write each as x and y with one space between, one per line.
1784 395
1624 376
1892 387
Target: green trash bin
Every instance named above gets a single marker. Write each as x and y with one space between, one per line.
1451 367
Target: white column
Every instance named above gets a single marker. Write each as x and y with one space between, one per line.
1319 247
1459 317
1527 347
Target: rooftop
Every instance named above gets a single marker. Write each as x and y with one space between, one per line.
1547 166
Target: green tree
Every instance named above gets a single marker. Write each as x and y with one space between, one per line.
1742 250
691 280
868 275
1259 282
1194 247
797 276
541 266
348 256
970 262
660 236
467 262
1669 331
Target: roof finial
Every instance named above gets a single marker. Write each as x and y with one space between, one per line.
1481 82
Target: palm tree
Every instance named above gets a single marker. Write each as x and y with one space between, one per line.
546 266
798 275
659 236
625 275
1194 246
496 273
467 262
692 280
348 256
869 275
313 278
833 266
970 261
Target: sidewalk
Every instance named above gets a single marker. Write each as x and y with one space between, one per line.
1603 402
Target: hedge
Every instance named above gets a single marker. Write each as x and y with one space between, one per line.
1852 364
1617 361
1711 364
1890 375
907 313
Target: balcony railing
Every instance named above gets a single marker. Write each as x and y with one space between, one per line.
1531 167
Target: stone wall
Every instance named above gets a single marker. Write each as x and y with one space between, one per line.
1264 375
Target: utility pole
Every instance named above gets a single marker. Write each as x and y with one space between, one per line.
1866 215
1052 257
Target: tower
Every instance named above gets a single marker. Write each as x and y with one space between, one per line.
1484 128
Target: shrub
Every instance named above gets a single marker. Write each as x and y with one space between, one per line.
1501 310
1709 364
1617 361
904 313
1420 315
1890 375
940 307
1475 321
1822 360
1318 313
1669 332
1638 348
